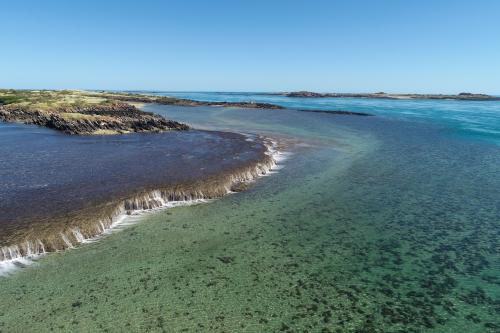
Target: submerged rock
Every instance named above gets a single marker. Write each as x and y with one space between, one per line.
339 112
226 259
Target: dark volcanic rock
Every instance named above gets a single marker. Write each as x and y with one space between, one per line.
164 100
303 94
339 112
226 259
112 118
382 95
249 105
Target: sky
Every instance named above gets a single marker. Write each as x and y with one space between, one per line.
439 46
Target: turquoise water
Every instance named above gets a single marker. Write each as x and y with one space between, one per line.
479 119
374 224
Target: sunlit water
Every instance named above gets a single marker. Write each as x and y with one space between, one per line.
479 119
375 224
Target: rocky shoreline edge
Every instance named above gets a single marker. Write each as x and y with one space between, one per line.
382 95
165 100
37 244
339 112
115 118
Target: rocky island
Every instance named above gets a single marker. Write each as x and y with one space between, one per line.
465 96
75 112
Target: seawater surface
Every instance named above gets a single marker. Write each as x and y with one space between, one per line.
375 224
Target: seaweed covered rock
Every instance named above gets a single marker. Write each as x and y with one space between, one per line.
96 119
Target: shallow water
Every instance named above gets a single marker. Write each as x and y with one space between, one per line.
375 224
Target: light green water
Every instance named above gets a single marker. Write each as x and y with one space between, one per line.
371 226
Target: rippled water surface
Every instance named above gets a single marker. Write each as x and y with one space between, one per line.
375 224
48 177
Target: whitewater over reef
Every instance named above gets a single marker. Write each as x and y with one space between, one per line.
106 217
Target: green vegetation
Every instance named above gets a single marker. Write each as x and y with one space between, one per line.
49 100
9 99
56 100
9 96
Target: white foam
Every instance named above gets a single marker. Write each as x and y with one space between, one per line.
9 266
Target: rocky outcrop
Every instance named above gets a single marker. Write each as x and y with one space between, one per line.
97 119
248 105
461 96
339 112
303 94
165 100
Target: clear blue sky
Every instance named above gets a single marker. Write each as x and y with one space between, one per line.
346 46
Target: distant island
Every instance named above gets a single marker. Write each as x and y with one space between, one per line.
465 96
88 112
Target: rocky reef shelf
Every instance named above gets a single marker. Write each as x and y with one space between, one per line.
115 118
338 112
34 242
464 96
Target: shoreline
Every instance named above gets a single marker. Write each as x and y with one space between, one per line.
115 118
167 100
339 112
22 252
383 95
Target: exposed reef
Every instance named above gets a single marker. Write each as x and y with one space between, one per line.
339 112
165 100
110 118
462 96
91 223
